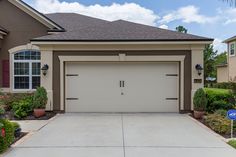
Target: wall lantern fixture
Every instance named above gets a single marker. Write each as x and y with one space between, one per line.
199 69
45 69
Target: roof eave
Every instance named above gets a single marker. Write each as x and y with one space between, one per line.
57 42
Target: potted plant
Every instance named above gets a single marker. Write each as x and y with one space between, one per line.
200 102
39 102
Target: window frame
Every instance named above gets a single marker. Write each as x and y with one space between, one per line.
30 71
230 44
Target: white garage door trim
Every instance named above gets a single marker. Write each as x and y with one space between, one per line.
120 58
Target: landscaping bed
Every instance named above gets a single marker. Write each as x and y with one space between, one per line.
22 134
10 115
221 129
25 106
218 102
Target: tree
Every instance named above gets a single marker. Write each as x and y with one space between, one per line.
231 2
209 62
221 58
181 29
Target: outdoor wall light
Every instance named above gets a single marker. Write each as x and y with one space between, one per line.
45 69
199 69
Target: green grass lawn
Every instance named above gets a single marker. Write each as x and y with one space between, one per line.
232 143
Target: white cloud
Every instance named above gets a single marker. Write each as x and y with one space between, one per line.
127 11
228 15
163 26
219 46
187 14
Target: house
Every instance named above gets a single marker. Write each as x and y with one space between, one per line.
226 72
92 65
222 73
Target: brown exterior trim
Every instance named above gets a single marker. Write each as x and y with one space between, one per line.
121 40
187 69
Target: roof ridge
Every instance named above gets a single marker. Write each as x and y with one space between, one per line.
158 28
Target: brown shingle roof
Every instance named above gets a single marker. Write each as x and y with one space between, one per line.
84 28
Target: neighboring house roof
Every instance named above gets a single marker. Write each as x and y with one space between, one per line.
37 15
84 28
230 39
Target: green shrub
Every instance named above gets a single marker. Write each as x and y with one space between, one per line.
6 141
222 85
40 98
232 143
2 111
15 125
219 99
23 108
8 99
200 100
218 123
221 112
219 105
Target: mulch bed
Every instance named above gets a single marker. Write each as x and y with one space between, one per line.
9 115
203 122
18 138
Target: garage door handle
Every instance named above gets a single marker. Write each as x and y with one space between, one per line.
122 83
171 98
171 74
72 98
72 75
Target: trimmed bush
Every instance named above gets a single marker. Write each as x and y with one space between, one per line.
232 143
40 98
219 99
218 123
200 100
223 85
23 108
219 105
6 141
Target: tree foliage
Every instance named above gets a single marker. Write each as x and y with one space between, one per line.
181 29
211 60
231 2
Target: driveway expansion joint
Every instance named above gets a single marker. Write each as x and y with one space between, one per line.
123 134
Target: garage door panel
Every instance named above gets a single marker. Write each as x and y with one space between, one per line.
146 87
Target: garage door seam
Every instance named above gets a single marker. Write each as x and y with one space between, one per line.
122 124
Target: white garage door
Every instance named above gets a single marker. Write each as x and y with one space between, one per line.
122 87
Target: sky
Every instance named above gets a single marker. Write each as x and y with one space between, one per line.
210 18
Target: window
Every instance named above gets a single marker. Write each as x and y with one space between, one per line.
26 71
232 49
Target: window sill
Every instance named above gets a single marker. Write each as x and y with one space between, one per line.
23 90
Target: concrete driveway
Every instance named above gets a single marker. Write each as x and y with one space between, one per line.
122 135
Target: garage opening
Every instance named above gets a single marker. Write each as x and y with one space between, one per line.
122 87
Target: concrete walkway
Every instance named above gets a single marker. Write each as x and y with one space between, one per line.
122 135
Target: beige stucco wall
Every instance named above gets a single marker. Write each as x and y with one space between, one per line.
232 65
222 74
197 58
46 81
